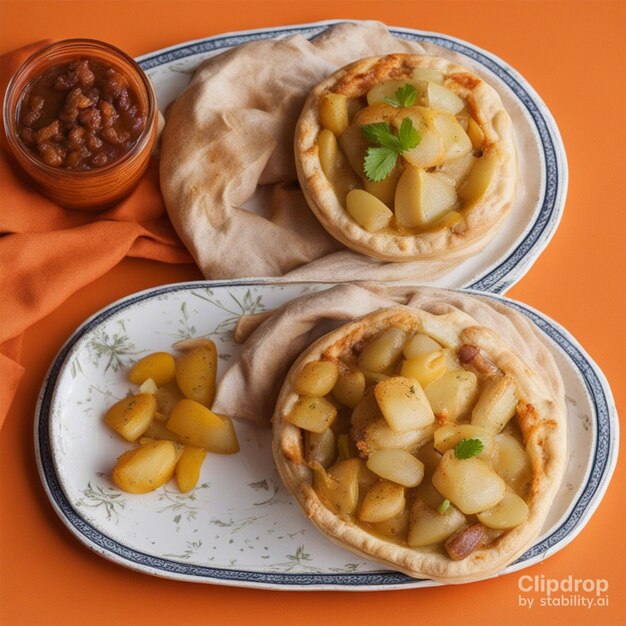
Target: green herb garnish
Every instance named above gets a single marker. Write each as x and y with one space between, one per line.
444 507
405 96
467 448
380 160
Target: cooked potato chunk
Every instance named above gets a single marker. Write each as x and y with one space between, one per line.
511 462
430 150
199 427
339 486
385 189
449 435
377 435
382 501
375 113
456 142
395 527
335 165
476 134
144 469
496 404
195 373
427 526
314 414
457 170
418 345
453 395
380 92
470 484
510 512
387 90
478 180
334 112
383 351
188 468
398 466
320 447
354 146
422 198
327 150
160 366
367 210
316 378
131 416
403 404
442 99
425 368
349 388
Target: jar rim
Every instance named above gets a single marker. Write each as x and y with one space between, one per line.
10 117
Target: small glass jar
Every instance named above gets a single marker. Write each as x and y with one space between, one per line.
100 187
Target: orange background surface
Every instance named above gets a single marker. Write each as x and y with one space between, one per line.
573 54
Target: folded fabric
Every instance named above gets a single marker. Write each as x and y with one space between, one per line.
47 253
228 174
272 343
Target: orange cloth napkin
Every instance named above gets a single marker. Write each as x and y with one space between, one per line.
47 253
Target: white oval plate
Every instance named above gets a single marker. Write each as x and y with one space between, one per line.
531 222
240 526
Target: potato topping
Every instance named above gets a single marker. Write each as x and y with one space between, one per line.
400 473
418 155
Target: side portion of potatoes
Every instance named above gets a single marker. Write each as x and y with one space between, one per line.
146 468
188 468
199 427
131 416
195 373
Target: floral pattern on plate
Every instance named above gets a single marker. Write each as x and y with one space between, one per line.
240 526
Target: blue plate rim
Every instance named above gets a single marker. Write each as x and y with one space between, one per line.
502 275
589 497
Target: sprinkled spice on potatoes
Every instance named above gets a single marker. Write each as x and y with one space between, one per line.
171 419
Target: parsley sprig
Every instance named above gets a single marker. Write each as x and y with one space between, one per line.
381 159
405 96
467 448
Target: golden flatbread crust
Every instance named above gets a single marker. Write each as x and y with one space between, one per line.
483 218
542 422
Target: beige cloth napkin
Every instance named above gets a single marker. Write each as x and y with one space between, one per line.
228 141
272 342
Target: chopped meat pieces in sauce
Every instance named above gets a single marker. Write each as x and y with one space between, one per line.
81 115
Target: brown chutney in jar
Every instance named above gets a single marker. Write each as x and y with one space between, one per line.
80 115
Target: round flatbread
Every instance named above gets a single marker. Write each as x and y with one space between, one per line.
540 417
481 216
